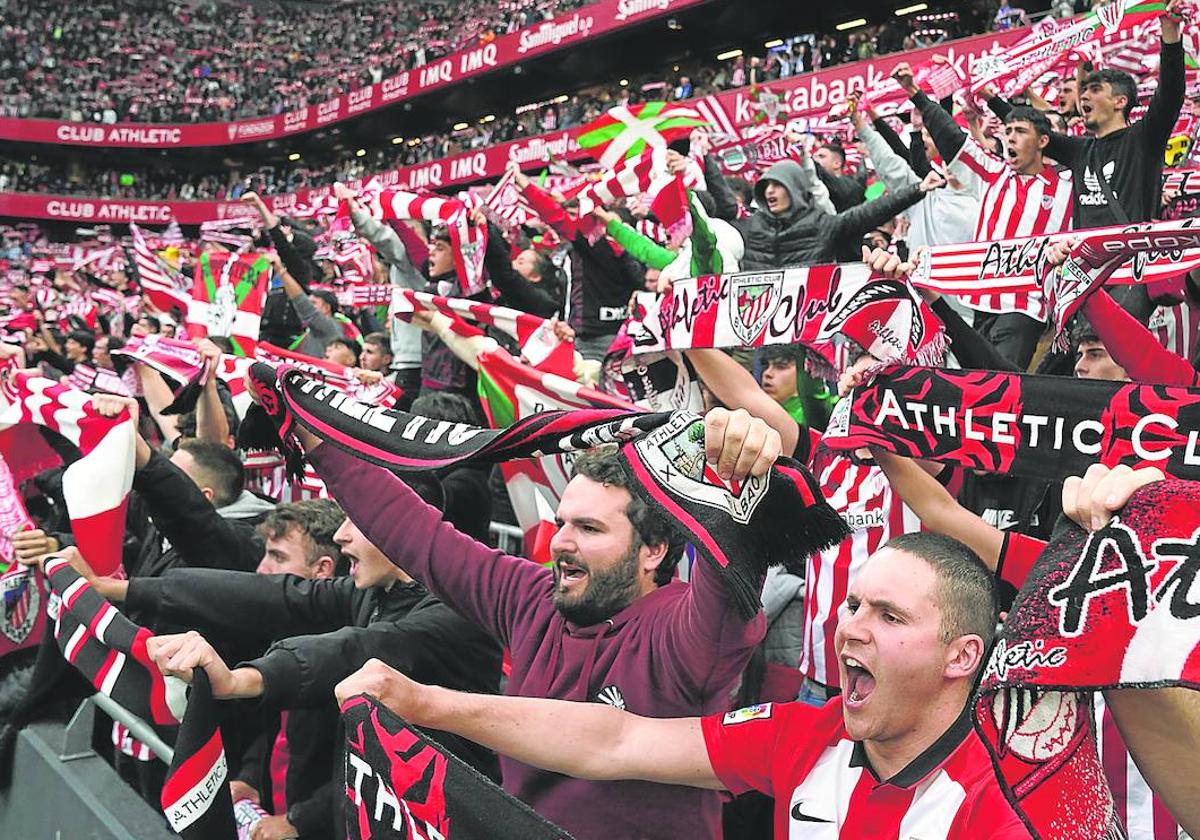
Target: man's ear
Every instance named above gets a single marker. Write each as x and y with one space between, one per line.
323 567
209 494
650 557
964 656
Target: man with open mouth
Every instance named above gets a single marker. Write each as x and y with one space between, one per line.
894 755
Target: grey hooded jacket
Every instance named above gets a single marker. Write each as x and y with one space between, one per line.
804 235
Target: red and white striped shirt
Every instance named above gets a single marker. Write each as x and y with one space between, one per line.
1015 205
1141 812
1177 327
825 788
862 496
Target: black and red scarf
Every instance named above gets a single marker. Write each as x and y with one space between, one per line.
1045 427
741 528
1116 608
402 786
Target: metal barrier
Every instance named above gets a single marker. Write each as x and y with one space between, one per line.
508 538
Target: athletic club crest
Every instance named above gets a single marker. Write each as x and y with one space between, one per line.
674 453
755 299
21 602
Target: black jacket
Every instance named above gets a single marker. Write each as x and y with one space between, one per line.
1131 159
515 291
805 235
404 626
186 530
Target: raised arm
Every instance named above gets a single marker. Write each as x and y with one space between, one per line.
1164 105
584 740
736 388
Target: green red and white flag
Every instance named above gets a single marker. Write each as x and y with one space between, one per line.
626 131
227 298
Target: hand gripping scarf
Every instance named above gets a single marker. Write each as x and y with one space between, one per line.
793 306
96 487
1113 609
401 785
741 528
1046 427
179 363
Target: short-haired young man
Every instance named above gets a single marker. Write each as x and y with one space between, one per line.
895 755
1021 194
299 539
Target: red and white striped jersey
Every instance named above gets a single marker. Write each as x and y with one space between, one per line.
1177 327
861 495
1141 812
825 788
1015 205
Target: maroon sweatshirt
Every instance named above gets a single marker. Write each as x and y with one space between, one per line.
676 652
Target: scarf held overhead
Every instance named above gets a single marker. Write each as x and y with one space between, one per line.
1111 609
95 487
1045 427
740 528
793 306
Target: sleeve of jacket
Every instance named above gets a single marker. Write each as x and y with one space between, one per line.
711 643
390 247
881 127
323 327
200 535
551 211
431 645
314 817
1164 105
871 214
946 133
485 586
274 606
296 265
641 248
892 168
815 185
722 194
973 351
515 290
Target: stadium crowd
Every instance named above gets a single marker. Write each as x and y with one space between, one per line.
689 79
145 61
703 648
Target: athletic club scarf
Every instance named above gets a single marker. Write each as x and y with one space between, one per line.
469 240
400 786
227 298
20 590
179 363
1046 427
644 174
741 528
1111 609
96 487
793 306
539 346
382 393
1153 252
1041 53
357 295
110 650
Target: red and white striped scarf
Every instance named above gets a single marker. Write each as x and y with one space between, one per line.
166 288
339 377
13 516
96 487
797 305
468 239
